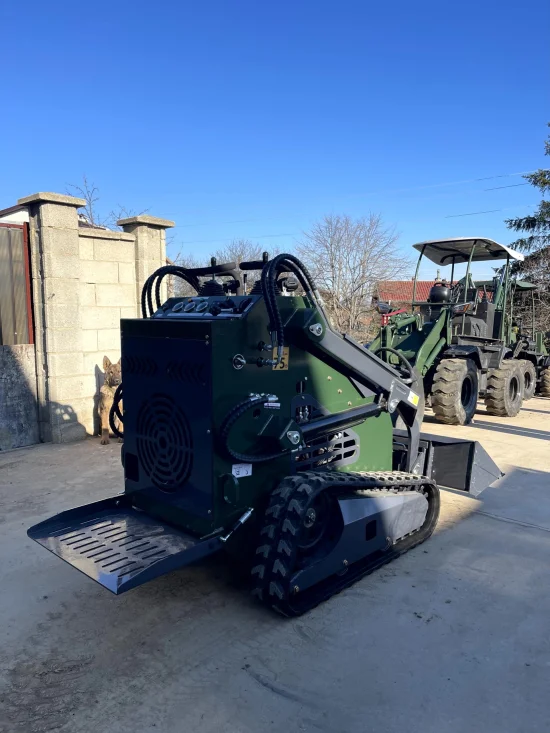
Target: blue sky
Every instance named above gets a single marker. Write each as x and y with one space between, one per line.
253 119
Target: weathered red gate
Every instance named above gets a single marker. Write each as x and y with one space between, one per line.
18 397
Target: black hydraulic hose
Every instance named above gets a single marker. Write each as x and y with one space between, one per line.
275 321
178 272
308 284
270 295
268 291
147 308
290 263
115 412
306 280
286 262
229 421
406 362
161 273
145 294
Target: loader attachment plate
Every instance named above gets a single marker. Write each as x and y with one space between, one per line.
118 545
453 463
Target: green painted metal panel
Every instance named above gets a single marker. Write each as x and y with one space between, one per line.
306 376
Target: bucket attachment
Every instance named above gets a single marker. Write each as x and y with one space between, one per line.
452 463
118 545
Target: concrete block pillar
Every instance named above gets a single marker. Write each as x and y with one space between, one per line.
150 248
55 265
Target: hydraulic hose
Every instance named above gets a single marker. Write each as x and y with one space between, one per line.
289 263
229 421
275 322
403 359
147 308
179 272
115 412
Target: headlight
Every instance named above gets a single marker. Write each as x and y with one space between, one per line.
461 308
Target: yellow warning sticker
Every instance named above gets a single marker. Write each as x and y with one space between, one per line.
283 365
413 397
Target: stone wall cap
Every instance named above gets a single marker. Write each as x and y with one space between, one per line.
105 234
146 219
52 198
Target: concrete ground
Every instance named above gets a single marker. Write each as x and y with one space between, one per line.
452 637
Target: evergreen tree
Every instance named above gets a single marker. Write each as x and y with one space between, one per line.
537 225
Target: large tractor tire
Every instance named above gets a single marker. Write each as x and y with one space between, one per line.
454 391
544 387
529 379
505 389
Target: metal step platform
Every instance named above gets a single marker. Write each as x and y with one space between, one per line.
117 545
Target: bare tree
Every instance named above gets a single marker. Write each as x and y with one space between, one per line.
239 250
121 212
176 286
90 193
347 258
243 250
536 269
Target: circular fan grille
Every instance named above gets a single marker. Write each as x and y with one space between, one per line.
164 442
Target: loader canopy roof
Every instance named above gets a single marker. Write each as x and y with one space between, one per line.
524 285
442 251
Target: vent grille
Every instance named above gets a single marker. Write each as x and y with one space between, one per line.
186 371
164 442
143 366
332 450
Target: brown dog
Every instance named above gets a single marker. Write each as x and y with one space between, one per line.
112 379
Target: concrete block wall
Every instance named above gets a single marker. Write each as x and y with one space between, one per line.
55 272
107 294
150 247
84 281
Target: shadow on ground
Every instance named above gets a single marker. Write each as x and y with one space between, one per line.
191 651
511 429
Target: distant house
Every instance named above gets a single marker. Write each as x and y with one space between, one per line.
400 292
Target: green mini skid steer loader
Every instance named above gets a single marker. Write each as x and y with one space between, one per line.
457 343
249 424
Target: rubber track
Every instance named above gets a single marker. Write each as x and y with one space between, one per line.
276 554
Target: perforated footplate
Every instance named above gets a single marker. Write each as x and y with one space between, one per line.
117 545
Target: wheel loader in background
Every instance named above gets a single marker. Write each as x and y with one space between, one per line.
459 345
251 425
